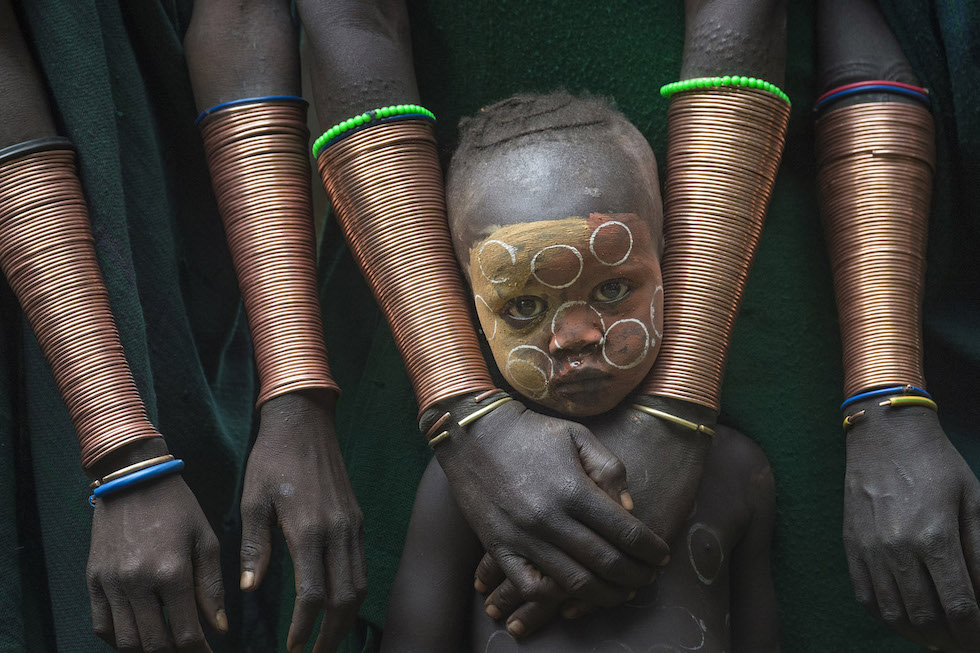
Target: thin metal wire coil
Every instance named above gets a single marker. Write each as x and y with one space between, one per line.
386 188
723 150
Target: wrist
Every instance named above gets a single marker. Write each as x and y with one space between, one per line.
688 410
892 427
126 455
300 404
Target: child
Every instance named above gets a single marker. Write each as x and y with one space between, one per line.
556 217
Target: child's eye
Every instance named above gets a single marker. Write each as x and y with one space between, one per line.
525 308
611 291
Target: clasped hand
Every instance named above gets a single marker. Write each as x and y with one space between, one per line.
547 499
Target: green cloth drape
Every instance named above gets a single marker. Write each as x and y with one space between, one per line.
119 89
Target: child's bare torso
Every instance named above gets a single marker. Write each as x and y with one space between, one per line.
687 609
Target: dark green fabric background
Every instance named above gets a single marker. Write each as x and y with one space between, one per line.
119 89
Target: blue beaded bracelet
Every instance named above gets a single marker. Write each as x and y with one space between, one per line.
899 390
248 100
136 478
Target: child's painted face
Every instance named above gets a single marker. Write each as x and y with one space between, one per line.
572 308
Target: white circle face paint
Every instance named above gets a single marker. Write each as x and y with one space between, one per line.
629 250
576 303
489 336
515 359
510 250
646 344
659 290
581 265
706 576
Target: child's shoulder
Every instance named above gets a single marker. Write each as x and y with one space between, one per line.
735 460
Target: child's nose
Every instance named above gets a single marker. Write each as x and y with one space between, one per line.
576 334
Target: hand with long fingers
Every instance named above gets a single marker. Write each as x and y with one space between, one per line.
296 479
523 482
662 492
153 554
912 526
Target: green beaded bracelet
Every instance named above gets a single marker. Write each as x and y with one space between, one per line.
728 80
360 120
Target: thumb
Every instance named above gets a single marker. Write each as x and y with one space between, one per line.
256 544
603 467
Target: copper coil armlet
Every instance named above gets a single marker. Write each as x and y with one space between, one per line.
256 153
386 188
723 150
875 176
48 255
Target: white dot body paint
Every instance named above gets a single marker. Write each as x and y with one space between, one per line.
638 359
510 250
706 576
523 358
489 336
609 224
659 290
578 254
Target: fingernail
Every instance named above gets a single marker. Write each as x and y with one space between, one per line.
479 586
515 628
221 619
248 580
570 612
631 596
493 612
296 649
665 562
626 499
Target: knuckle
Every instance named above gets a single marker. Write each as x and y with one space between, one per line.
612 470
892 616
921 617
213 586
251 549
579 583
933 540
538 510
343 599
209 545
631 534
187 638
342 524
156 645
310 533
310 595
961 608
169 573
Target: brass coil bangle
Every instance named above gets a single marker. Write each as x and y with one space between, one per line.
386 188
48 255
875 177
257 157
723 150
